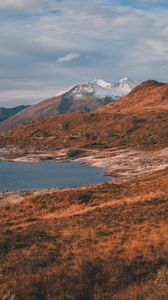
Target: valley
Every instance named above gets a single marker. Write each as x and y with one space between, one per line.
107 241
83 150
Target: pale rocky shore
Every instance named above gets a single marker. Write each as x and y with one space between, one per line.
121 163
125 163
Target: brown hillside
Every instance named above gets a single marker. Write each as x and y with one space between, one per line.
149 95
54 106
104 242
137 120
144 130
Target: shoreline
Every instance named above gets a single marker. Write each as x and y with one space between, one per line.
13 197
121 164
116 162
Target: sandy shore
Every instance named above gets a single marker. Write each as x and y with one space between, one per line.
10 198
19 156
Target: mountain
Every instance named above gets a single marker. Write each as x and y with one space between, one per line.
6 113
100 89
83 97
136 120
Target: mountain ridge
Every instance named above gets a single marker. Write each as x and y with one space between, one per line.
101 88
137 120
83 97
6 113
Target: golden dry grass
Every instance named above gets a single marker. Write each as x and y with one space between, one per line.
144 130
99 242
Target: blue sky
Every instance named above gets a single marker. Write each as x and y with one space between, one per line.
50 44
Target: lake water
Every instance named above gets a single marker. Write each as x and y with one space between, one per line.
43 175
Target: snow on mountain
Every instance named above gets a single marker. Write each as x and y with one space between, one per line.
123 86
100 88
102 83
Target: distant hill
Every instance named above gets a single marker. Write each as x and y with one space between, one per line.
84 97
6 113
139 119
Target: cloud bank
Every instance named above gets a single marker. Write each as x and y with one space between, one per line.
47 45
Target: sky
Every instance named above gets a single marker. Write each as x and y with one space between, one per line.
46 45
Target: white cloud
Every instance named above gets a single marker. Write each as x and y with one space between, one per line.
27 4
107 39
15 4
11 3
69 57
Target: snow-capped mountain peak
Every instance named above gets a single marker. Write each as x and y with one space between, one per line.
125 82
100 89
101 83
124 86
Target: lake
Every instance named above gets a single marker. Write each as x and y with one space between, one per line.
43 175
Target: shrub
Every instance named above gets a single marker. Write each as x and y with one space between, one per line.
75 153
85 197
161 280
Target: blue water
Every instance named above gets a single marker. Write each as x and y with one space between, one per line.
43 175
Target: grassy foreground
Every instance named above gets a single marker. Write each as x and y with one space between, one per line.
103 242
